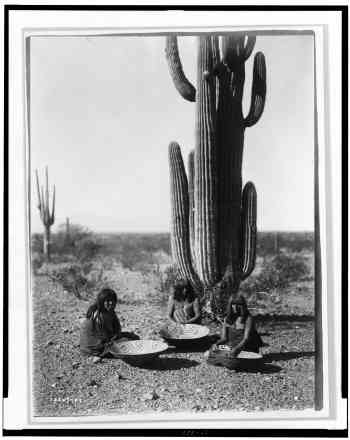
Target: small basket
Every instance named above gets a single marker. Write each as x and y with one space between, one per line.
250 355
138 352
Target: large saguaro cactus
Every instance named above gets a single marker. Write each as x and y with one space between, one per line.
47 217
213 221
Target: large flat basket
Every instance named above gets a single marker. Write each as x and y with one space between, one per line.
177 334
138 352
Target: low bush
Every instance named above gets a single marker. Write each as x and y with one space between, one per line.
75 277
168 278
81 246
37 261
277 272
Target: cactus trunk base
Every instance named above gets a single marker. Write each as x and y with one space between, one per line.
215 299
47 244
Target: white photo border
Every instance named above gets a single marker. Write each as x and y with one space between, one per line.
327 32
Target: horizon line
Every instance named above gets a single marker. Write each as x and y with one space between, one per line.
168 232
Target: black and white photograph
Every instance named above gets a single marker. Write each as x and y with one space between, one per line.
174 221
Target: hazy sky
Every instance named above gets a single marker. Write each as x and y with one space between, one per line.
104 109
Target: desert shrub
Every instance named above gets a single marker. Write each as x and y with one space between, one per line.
117 244
37 261
82 243
277 272
69 275
290 268
87 248
133 257
168 278
74 276
37 243
291 241
83 246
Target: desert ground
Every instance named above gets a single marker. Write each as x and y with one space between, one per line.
66 383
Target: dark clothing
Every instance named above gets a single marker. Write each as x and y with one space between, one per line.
98 331
225 357
235 336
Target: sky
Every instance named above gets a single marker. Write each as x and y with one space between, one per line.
104 110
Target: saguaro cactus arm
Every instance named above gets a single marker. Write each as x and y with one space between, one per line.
216 49
52 217
180 240
249 231
182 84
258 90
47 218
249 46
237 48
191 200
38 192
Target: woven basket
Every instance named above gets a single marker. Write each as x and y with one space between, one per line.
176 334
138 352
245 360
249 355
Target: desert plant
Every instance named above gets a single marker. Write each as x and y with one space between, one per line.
67 237
75 277
83 244
213 234
37 244
47 217
277 273
276 243
37 260
170 276
69 275
290 268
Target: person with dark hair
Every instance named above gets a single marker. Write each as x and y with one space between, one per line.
238 334
183 304
101 326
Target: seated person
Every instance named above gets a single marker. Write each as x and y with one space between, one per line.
183 305
238 332
102 327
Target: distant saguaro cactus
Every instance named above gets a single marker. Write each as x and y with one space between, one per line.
47 217
276 242
213 220
67 237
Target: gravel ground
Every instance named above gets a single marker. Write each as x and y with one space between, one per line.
65 383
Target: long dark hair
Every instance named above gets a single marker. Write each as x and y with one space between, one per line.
183 290
96 310
189 292
239 301
178 291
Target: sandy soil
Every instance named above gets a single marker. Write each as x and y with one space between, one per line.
65 383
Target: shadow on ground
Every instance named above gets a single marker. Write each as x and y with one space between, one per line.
168 363
271 357
194 347
283 318
265 367
261 367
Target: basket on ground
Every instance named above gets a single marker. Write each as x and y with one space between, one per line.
250 355
221 355
138 352
177 334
